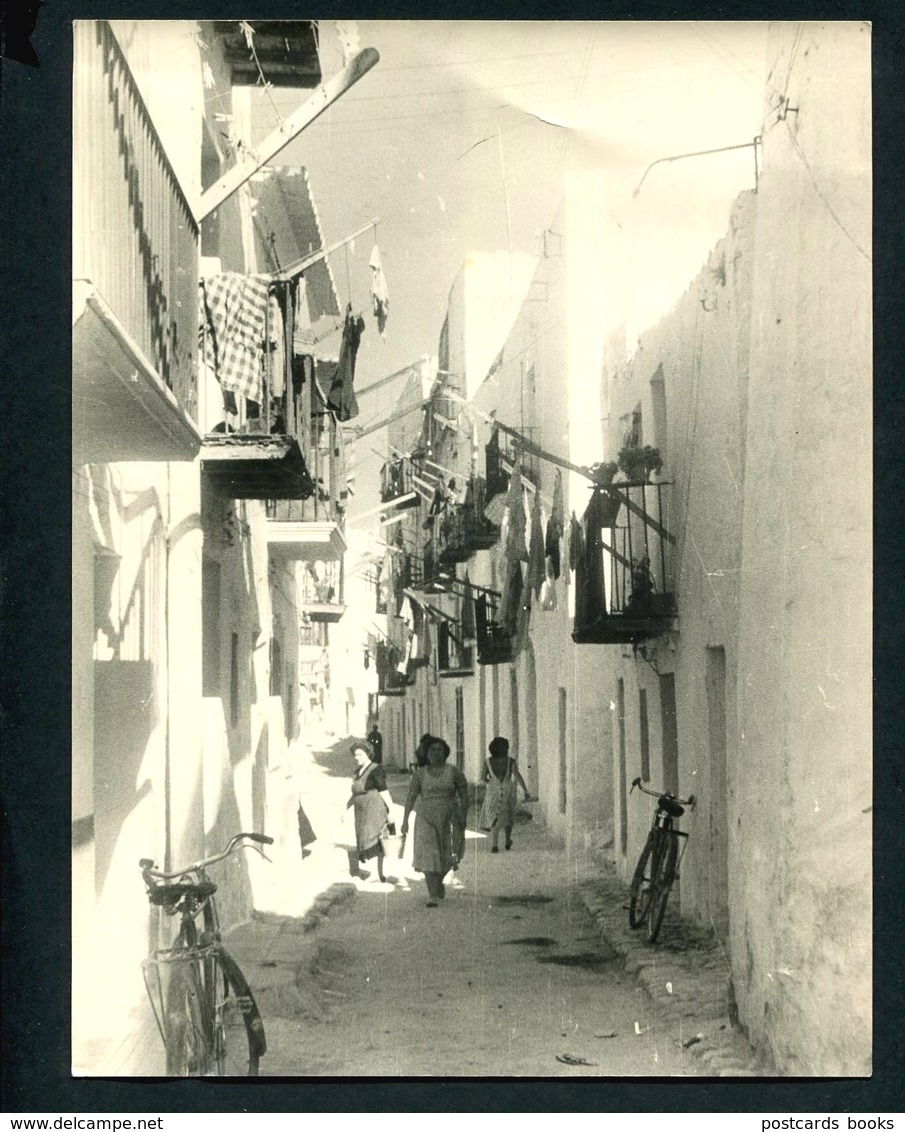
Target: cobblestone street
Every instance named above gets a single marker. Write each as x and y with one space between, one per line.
521 972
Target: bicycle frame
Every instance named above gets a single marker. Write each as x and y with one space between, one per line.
660 861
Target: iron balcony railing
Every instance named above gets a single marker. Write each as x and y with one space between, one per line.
624 589
134 234
463 529
494 641
454 657
321 589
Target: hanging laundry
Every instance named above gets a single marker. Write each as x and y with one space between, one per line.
536 558
304 337
349 39
380 296
341 398
277 347
467 615
554 533
515 548
576 543
548 597
234 313
590 590
511 598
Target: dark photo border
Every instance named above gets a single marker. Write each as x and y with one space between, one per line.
35 202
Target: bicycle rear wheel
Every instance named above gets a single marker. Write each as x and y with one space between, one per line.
238 1033
663 875
639 895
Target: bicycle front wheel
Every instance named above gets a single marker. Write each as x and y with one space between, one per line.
639 895
664 873
238 1033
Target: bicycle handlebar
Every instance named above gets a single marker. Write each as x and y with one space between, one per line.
689 801
148 870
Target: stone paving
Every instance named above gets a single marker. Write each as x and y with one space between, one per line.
686 974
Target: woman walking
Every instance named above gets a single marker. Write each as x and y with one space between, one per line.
441 792
372 803
502 776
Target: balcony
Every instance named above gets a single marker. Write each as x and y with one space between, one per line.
248 338
501 454
286 53
624 592
321 590
495 643
454 657
390 681
135 263
295 532
463 529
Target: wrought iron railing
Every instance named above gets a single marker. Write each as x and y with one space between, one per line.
494 641
462 529
624 586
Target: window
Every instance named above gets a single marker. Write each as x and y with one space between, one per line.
645 734
634 432
620 739
513 714
210 628
563 762
460 729
658 404
670 732
234 679
276 667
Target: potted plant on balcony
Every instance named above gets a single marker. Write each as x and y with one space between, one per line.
603 473
638 462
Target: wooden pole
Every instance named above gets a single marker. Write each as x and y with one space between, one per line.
250 163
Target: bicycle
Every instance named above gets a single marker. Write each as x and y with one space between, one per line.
650 888
206 1014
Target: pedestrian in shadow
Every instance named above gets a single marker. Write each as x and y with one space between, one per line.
441 792
421 750
502 778
376 741
372 804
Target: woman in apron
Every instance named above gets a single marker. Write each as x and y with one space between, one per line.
372 802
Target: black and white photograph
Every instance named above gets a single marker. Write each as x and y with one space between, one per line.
471 549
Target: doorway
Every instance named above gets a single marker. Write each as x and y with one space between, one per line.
670 732
717 801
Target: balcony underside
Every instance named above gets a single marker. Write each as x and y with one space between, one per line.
624 628
455 553
324 610
305 542
249 466
121 408
451 673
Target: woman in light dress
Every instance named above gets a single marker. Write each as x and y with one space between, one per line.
441 793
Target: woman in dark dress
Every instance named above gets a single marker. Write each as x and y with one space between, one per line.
372 803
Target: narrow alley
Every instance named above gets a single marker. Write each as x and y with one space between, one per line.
494 454
511 976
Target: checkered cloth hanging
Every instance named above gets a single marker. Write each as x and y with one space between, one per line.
234 311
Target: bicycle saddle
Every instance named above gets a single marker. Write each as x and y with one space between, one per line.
172 893
670 806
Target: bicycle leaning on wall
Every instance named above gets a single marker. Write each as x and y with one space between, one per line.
658 865
203 1005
